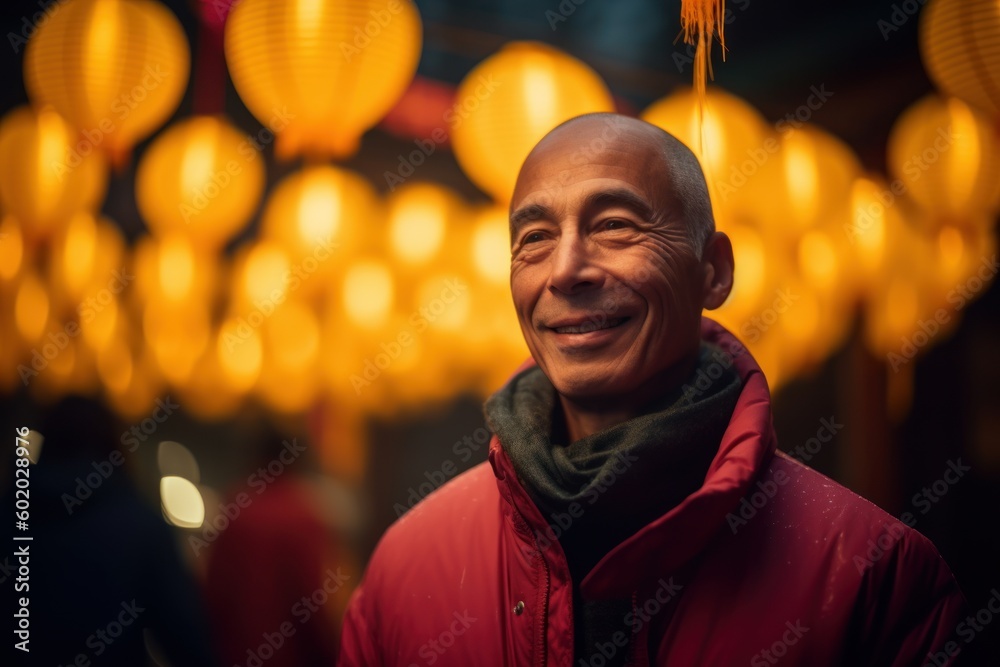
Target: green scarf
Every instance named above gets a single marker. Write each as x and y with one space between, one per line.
598 491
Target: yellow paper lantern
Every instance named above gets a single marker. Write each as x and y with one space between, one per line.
818 173
289 378
176 339
491 245
200 178
420 218
900 297
11 249
115 363
368 293
319 215
958 44
729 136
510 101
115 69
875 219
947 155
260 279
173 273
240 352
426 226
32 307
961 266
753 277
87 256
319 73
43 178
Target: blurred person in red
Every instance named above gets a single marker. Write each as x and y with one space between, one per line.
634 509
277 581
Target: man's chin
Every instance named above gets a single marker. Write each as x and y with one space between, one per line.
586 389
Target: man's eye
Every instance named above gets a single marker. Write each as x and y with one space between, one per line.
615 223
532 237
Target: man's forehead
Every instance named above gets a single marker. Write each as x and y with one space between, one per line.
598 148
585 139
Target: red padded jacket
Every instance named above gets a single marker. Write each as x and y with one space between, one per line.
768 562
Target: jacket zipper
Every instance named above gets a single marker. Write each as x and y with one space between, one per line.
543 611
543 597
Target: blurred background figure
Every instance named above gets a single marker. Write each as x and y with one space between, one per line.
106 576
278 574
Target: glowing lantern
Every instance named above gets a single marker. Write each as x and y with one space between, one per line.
171 272
87 255
948 156
960 268
200 178
114 361
419 216
823 257
98 321
958 43
754 272
240 353
426 226
875 220
819 171
42 183
11 248
491 245
509 101
444 302
443 305
319 73
289 379
368 293
292 336
31 307
115 69
316 214
900 297
176 342
260 277
728 135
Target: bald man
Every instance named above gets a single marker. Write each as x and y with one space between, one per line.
634 509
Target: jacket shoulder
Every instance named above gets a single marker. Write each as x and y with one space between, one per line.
821 505
872 543
451 520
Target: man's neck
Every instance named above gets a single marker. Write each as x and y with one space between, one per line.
585 417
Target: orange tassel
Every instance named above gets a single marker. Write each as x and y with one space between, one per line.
700 20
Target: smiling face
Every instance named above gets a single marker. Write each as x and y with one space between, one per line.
604 276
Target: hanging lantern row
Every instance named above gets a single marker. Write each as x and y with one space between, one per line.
371 299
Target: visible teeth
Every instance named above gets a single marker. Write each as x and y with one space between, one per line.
589 326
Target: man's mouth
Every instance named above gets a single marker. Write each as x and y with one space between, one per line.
589 326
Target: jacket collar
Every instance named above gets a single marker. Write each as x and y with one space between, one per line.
666 544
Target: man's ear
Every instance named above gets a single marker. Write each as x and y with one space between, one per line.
717 261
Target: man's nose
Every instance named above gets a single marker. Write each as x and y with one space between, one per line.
573 269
